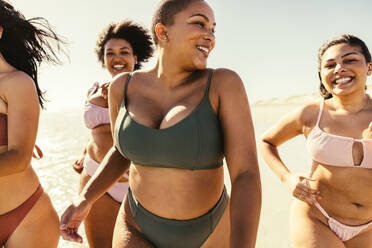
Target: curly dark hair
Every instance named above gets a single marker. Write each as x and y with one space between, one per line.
134 33
343 39
165 12
26 43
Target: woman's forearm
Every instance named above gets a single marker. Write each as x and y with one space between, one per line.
13 162
271 156
245 208
113 166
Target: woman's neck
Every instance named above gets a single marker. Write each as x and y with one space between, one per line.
4 65
169 71
351 104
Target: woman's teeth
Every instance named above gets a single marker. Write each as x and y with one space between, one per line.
118 67
203 49
343 80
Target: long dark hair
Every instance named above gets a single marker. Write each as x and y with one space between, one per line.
25 43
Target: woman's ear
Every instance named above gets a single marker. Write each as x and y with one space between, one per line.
369 70
161 32
1 32
135 59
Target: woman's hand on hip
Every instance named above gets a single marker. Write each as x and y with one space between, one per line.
299 187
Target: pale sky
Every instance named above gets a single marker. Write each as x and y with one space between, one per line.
271 44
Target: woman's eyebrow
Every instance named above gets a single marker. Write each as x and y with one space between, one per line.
202 15
348 54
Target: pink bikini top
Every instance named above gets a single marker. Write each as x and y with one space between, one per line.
336 150
95 115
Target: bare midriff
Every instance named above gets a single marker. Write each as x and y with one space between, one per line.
346 192
16 188
176 193
100 142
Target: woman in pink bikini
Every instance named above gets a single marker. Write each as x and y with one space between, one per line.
121 47
27 217
333 206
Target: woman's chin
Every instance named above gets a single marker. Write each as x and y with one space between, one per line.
200 66
348 89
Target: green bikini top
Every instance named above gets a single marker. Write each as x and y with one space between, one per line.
194 143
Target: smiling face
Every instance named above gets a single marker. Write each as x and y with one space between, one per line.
191 36
118 56
344 69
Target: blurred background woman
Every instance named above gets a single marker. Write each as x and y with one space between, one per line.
121 47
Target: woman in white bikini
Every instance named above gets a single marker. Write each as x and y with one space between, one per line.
333 205
121 47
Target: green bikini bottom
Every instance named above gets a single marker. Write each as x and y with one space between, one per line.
170 233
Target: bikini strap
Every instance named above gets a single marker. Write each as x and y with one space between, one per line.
321 106
123 104
316 203
321 209
209 82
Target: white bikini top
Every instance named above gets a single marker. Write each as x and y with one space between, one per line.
336 150
95 115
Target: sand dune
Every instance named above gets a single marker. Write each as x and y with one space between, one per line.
297 99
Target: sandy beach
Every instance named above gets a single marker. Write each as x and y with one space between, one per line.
276 199
62 137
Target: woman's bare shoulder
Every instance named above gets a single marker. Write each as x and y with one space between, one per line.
308 113
16 82
117 84
16 76
119 81
226 79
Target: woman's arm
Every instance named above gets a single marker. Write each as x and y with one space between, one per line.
19 92
241 158
99 99
99 95
287 128
114 164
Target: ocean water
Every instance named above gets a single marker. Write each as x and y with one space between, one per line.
62 137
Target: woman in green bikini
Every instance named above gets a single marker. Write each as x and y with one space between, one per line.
174 124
